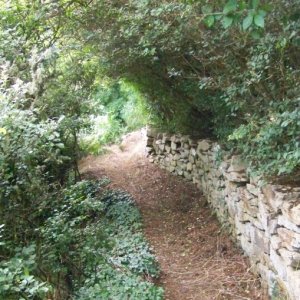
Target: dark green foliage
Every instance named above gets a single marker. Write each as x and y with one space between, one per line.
89 244
16 276
205 68
32 158
206 78
60 240
272 143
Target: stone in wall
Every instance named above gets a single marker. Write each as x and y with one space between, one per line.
237 170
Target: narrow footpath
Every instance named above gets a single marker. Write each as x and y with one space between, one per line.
197 258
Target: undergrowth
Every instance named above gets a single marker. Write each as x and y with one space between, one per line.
90 246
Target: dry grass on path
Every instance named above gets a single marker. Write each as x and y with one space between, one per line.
197 259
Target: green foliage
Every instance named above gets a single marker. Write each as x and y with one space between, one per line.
205 68
44 100
102 233
16 279
31 152
59 240
113 283
135 109
91 243
32 158
271 144
122 109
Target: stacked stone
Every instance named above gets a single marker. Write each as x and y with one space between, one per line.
176 153
265 220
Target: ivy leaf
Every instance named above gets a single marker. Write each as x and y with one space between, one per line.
262 12
209 21
259 20
227 22
230 6
247 21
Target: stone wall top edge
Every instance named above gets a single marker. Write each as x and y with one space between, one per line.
215 146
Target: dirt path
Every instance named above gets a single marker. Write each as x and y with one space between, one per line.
197 259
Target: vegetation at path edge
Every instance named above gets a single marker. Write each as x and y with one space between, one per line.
88 245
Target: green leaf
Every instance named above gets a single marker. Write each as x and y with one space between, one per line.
227 22
262 12
242 5
230 6
285 123
247 21
209 21
26 271
259 20
255 3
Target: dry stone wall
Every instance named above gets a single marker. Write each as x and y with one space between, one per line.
264 219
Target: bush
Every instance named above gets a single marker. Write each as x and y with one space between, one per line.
16 279
90 243
271 144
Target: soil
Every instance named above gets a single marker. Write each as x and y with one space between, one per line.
198 259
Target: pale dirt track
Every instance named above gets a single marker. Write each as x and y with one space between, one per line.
197 258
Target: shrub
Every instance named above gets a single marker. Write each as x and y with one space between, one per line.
90 243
